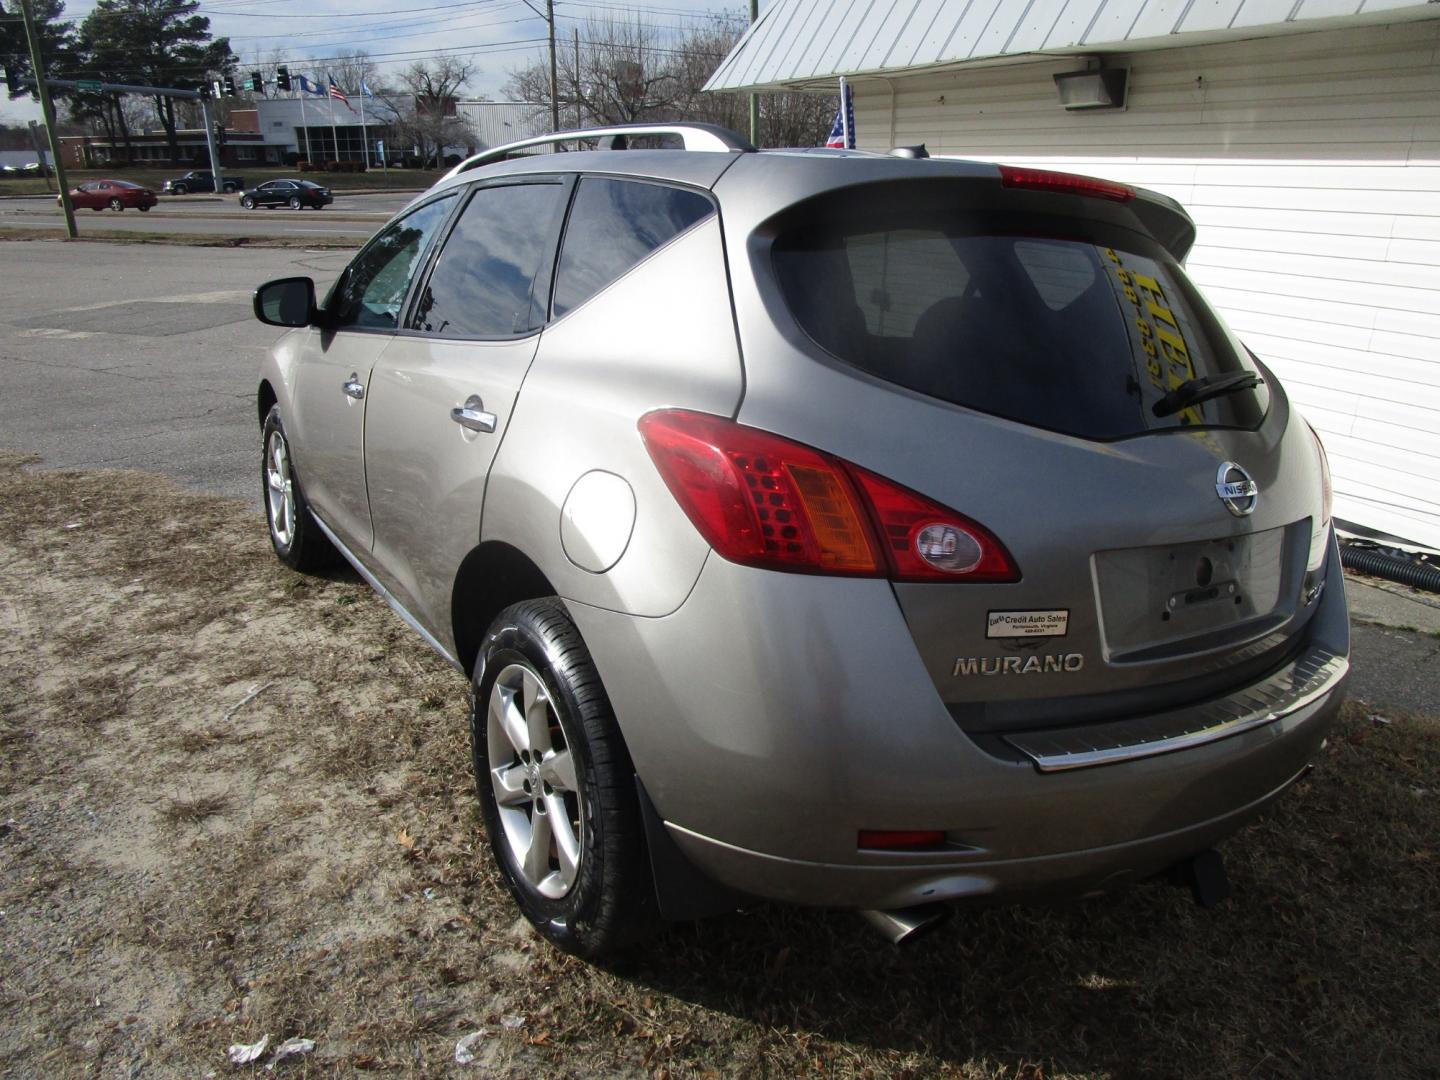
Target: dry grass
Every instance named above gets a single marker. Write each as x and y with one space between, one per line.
180 871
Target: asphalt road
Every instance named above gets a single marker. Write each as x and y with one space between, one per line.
350 215
140 356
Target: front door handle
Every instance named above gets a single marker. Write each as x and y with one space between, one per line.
472 415
354 387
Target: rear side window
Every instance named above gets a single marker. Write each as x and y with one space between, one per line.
1074 326
483 284
613 225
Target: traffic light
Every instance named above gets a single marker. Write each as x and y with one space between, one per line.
230 86
255 84
282 78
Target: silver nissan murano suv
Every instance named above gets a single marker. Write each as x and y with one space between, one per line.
834 528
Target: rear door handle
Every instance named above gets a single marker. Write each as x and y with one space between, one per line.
354 387
472 415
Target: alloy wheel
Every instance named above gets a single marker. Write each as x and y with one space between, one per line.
280 490
533 775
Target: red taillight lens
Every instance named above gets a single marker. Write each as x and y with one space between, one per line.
1012 176
762 500
759 499
900 839
925 541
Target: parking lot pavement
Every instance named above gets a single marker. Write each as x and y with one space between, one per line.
141 357
1396 631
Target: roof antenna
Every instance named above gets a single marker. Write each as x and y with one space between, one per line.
916 151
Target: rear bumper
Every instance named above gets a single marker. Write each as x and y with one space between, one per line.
926 881
773 717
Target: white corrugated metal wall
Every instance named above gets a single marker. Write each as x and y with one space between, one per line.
1311 163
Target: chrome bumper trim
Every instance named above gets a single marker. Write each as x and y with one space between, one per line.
1289 690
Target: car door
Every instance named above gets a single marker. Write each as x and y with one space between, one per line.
271 193
327 415
442 392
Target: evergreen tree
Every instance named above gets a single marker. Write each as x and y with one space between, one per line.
154 43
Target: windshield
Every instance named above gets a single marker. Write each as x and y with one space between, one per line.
1071 325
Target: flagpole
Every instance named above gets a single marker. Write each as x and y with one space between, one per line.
845 114
364 135
305 127
334 134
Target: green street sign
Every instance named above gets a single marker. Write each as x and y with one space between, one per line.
88 84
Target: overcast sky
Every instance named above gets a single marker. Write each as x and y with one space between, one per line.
496 35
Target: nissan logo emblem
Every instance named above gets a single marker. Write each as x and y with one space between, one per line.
1236 490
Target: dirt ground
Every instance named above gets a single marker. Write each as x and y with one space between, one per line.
235 802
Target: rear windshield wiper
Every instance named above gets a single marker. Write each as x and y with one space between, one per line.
1203 388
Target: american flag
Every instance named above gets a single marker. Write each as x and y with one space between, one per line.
339 95
836 141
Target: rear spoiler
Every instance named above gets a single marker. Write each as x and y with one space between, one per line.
1163 217
1166 220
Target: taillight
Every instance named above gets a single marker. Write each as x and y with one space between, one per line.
1320 533
762 500
925 541
1013 176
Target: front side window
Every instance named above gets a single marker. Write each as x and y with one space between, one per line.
372 290
613 225
484 284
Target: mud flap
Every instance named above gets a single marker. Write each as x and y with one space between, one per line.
683 891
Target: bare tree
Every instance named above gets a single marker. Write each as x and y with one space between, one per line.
352 67
429 118
632 71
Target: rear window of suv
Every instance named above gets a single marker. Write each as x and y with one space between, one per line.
1074 326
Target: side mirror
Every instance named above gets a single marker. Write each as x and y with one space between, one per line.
287 302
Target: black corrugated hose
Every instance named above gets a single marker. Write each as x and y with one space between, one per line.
1394 567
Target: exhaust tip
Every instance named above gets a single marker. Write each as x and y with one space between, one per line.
906 924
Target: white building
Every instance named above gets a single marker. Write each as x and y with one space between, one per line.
1302 135
495 123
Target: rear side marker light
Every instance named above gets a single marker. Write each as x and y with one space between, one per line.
1012 176
762 500
900 839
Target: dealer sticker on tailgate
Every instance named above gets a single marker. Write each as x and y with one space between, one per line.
1009 624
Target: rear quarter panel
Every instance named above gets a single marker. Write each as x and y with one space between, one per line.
661 336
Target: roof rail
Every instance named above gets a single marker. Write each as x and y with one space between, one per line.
711 137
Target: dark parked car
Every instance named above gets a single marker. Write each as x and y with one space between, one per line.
202 180
114 194
291 193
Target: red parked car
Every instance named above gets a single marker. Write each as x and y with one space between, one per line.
115 194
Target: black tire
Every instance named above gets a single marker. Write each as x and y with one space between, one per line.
301 546
230 189
116 204
248 203
611 901
143 208
180 189
294 202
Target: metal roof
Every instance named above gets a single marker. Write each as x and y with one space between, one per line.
498 122
799 42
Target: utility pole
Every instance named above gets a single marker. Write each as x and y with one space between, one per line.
554 81
579 119
209 123
47 109
39 153
754 98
